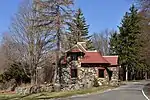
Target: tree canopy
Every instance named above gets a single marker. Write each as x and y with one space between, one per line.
78 30
126 43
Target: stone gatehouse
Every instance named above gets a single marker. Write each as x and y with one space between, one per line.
81 67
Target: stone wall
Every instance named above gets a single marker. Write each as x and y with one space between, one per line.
85 79
24 90
115 76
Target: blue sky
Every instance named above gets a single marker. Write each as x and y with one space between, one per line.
100 14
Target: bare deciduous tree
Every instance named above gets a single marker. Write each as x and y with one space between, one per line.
34 42
55 15
37 29
101 41
9 50
145 4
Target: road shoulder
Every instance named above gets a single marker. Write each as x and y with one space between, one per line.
146 91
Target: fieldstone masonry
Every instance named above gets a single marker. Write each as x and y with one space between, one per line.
115 76
85 77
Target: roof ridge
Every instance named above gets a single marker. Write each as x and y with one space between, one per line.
111 56
92 51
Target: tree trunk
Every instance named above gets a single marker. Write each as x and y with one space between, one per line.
146 75
126 73
58 34
32 80
55 70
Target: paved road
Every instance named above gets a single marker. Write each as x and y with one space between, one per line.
131 91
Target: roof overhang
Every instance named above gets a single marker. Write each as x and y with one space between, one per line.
94 64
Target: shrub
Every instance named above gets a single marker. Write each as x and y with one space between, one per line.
15 71
95 83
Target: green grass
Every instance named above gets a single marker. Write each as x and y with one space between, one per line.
47 95
9 96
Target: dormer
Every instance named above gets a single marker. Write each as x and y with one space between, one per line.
75 53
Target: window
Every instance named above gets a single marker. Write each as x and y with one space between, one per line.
73 73
101 73
74 57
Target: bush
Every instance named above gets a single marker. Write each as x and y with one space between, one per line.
96 84
15 71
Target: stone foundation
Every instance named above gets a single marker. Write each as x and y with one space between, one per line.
85 79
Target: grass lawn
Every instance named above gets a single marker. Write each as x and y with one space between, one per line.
47 95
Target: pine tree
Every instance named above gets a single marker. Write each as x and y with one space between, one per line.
114 44
145 37
78 30
126 43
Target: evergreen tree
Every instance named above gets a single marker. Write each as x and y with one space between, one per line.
15 71
126 43
78 30
144 38
113 43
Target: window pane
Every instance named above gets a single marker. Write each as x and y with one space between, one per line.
101 73
73 73
74 57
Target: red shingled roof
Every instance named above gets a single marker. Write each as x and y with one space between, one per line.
94 57
113 60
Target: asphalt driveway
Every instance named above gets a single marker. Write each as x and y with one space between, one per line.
131 91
